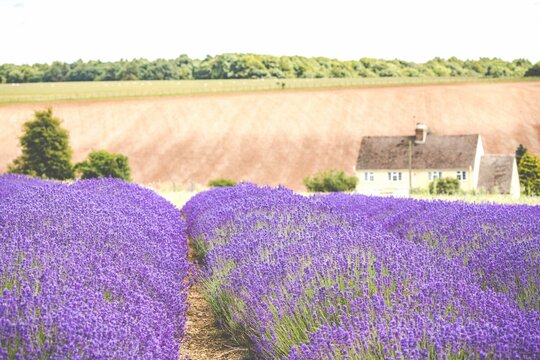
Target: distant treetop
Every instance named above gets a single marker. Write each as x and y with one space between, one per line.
252 66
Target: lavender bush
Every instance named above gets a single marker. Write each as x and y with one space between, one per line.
356 277
93 270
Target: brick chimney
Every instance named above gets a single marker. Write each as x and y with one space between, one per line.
420 133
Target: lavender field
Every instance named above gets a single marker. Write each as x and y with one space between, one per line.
96 269
355 277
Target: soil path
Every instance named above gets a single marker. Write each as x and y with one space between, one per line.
203 339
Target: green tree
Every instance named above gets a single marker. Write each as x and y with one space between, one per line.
533 70
520 66
101 163
529 174
203 69
221 182
446 186
45 149
330 181
81 71
497 71
520 151
57 71
184 67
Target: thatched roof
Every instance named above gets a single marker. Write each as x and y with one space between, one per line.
438 152
496 173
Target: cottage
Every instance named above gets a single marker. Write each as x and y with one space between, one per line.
392 165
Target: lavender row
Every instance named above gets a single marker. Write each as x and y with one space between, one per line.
95 269
317 278
500 244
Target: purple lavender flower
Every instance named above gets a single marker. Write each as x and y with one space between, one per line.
344 276
96 269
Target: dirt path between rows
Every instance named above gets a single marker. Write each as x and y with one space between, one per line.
203 339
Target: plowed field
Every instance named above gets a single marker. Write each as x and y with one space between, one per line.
280 137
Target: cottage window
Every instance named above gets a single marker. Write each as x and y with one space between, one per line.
462 175
368 176
435 175
394 176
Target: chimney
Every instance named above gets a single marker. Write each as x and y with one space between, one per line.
420 133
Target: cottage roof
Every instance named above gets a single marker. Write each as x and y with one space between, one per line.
438 152
496 173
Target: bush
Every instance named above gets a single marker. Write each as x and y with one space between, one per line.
330 181
529 174
45 149
221 182
444 186
102 164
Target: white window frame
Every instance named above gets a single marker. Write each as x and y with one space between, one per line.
369 176
462 175
435 175
394 176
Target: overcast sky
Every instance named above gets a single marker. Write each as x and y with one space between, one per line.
416 30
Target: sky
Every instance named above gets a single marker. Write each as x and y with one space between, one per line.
42 31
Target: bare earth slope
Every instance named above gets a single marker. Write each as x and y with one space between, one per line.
281 137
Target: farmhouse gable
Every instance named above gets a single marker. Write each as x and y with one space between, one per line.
498 174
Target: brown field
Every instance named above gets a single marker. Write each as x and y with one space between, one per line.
280 137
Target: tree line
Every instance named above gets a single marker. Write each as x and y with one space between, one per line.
252 66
